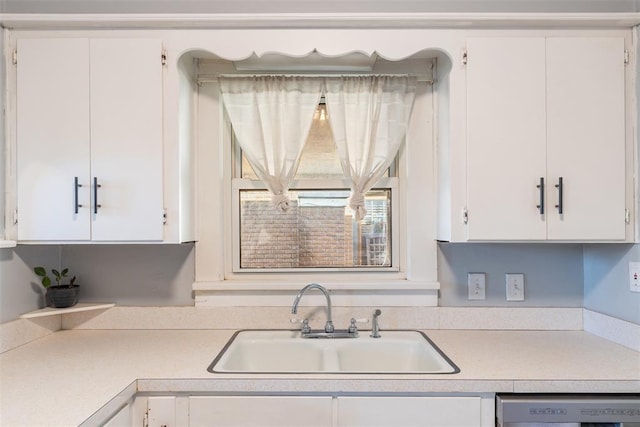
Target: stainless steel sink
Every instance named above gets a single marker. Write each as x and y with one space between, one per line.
277 351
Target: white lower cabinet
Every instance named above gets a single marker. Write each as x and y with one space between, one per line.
320 411
263 411
162 411
366 411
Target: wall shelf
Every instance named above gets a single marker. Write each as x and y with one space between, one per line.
49 311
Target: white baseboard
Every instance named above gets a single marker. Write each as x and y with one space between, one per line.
613 329
488 318
508 318
21 331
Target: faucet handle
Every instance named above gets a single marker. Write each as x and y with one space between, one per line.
353 328
305 329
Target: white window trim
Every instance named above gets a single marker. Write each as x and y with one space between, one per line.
414 284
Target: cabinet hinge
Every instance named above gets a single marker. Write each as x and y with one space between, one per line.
465 57
164 216
465 216
626 56
14 57
145 419
627 216
15 217
163 58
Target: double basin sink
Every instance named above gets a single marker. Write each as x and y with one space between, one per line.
279 351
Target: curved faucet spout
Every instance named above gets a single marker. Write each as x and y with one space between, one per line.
294 308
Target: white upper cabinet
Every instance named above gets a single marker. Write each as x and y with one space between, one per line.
546 138
505 137
53 139
586 138
89 111
126 138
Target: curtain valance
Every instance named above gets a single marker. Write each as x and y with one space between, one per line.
272 116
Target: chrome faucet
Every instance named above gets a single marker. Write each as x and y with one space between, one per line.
328 327
375 327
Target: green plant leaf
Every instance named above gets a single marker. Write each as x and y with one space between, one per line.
64 272
56 273
46 281
40 271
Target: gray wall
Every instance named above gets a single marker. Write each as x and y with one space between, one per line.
594 276
553 273
143 275
556 275
20 291
606 281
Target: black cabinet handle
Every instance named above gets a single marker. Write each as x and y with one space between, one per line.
559 186
95 195
540 205
76 205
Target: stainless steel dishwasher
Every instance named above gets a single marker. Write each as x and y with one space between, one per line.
575 410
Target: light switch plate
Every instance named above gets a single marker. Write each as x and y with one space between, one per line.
634 276
477 284
515 286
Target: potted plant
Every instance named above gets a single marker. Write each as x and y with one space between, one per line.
60 295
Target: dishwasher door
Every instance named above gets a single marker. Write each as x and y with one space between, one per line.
561 410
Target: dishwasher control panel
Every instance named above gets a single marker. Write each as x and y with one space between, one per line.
591 409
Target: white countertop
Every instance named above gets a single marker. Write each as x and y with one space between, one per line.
63 378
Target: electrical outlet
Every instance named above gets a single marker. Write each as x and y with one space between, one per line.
477 283
515 286
634 276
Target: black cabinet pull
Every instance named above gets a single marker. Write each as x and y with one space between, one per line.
559 186
95 195
540 205
76 205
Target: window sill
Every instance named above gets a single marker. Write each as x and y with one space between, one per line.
390 293
265 285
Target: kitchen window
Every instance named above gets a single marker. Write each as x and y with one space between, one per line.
408 272
319 231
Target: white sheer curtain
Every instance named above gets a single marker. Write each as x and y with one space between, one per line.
271 118
369 116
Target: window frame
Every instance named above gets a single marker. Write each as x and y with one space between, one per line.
415 283
237 184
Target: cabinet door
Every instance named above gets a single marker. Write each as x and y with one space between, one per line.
161 411
262 411
409 411
586 137
505 137
52 139
126 139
